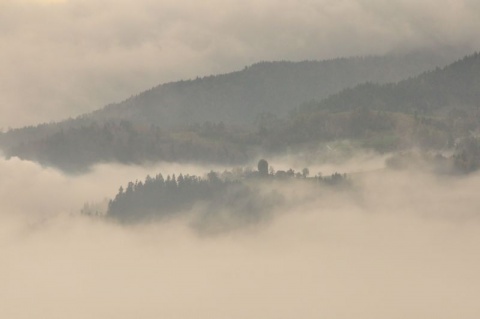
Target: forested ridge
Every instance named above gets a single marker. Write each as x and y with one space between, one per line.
237 98
454 88
235 195
435 111
76 149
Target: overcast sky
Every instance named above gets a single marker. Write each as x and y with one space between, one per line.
61 58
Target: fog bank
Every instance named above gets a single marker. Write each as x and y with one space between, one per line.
396 245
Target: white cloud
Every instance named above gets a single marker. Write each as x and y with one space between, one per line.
400 244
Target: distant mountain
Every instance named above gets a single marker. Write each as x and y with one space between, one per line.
76 148
431 110
267 87
230 118
455 87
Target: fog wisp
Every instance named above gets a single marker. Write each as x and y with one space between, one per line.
395 244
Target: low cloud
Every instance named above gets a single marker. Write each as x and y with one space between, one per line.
64 58
397 244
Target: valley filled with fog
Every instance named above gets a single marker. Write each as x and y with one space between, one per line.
258 159
392 244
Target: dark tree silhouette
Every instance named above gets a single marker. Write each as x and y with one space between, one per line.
263 167
230 198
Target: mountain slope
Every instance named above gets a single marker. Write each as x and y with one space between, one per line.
267 87
431 110
133 133
454 87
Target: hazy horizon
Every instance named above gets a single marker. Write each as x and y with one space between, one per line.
396 237
91 53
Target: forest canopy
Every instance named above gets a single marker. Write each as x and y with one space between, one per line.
235 197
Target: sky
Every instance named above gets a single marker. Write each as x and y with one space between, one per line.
62 58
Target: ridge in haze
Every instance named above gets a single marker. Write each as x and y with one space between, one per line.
267 87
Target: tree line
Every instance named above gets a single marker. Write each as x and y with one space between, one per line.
238 193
